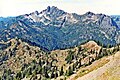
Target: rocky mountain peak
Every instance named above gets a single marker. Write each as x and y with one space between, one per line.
53 10
36 12
89 13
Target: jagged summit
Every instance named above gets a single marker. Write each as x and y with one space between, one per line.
49 10
89 13
52 8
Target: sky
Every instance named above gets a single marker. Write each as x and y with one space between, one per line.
18 7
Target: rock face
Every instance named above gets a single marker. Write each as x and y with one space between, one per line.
116 18
53 28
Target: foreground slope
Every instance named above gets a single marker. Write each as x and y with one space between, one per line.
109 71
106 68
19 60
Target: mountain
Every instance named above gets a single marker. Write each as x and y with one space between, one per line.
54 28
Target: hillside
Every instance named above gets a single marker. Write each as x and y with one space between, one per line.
54 28
107 68
19 60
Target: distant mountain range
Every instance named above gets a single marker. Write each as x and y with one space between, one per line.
53 28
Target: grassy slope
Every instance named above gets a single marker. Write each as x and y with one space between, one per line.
112 71
106 68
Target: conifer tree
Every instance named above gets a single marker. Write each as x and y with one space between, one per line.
61 71
69 71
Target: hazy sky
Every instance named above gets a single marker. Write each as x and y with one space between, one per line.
17 7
